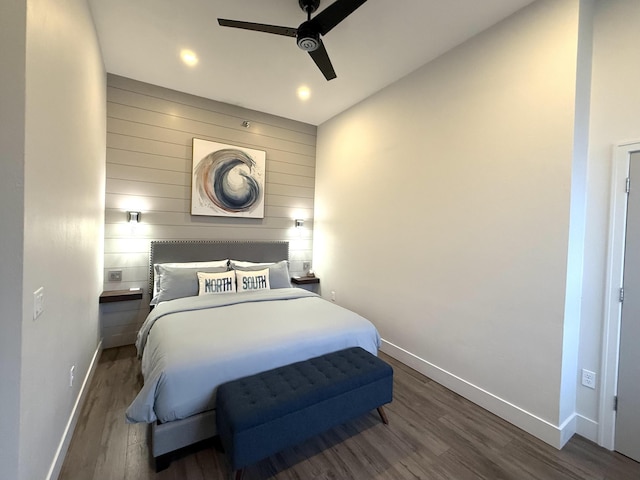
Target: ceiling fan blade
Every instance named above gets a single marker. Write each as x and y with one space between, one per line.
334 14
259 27
321 57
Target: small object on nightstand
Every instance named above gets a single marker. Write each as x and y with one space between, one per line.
109 296
305 280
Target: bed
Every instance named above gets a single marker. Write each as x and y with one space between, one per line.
190 343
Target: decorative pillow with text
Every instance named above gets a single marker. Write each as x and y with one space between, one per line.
251 281
214 283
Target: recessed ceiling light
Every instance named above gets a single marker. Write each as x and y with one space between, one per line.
189 57
304 93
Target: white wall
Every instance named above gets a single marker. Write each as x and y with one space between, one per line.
576 253
13 14
64 165
442 214
615 117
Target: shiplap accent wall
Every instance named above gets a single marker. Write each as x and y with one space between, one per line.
149 139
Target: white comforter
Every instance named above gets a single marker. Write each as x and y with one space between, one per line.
191 345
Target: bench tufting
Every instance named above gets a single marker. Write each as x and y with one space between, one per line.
262 414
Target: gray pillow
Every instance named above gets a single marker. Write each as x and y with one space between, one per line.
278 273
178 282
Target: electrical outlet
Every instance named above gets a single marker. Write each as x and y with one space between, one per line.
72 372
115 275
306 266
588 378
333 295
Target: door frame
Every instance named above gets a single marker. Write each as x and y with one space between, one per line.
613 307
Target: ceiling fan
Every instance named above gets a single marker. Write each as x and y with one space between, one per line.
309 32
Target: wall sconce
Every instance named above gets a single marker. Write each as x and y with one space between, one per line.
299 223
134 217
246 124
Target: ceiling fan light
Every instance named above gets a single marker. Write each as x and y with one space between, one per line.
308 44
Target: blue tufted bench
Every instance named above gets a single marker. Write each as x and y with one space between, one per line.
259 415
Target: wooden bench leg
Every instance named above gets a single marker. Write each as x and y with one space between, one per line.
383 416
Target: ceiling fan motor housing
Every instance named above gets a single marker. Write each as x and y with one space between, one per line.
308 37
309 6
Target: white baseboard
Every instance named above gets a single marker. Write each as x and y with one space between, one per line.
554 435
58 460
587 428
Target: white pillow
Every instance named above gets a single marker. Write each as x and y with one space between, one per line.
214 283
250 281
180 282
239 263
157 274
212 263
278 272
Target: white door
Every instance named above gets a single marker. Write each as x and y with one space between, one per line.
627 437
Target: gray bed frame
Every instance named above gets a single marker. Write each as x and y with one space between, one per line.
170 436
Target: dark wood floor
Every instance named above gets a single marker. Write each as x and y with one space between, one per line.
433 434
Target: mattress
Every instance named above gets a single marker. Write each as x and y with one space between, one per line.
190 346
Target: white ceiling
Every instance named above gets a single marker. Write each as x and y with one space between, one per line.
379 43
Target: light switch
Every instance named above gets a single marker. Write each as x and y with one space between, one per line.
38 302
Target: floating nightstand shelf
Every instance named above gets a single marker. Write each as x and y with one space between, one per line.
109 296
304 280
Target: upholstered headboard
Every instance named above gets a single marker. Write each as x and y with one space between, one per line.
203 250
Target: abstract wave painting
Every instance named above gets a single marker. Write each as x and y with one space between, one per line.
227 180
